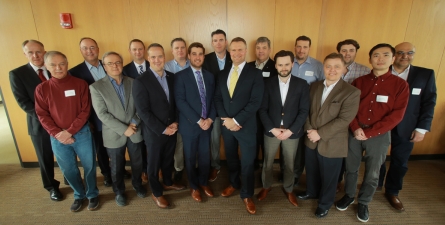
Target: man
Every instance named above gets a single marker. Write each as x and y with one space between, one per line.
383 101
415 123
267 66
24 80
113 102
334 103
180 62
90 71
214 62
238 96
283 112
63 107
134 69
155 105
194 90
311 70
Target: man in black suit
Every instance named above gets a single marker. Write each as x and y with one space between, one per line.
155 105
92 70
215 62
238 96
24 81
283 112
415 123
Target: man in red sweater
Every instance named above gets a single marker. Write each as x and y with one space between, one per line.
63 107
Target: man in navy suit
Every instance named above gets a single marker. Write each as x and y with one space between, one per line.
415 123
194 90
238 96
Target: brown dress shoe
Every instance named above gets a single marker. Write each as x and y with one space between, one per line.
395 201
207 191
213 174
144 178
250 206
291 197
196 195
175 187
228 191
160 201
263 194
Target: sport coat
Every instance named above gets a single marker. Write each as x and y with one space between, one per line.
130 69
211 63
269 67
295 110
24 81
152 106
333 118
420 110
115 118
246 99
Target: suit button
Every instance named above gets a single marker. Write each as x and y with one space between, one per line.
282 114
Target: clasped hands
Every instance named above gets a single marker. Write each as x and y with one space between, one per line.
313 135
171 129
132 129
65 137
205 123
359 134
230 124
281 134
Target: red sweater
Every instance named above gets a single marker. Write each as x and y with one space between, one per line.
382 103
63 104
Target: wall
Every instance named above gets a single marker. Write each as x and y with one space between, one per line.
113 23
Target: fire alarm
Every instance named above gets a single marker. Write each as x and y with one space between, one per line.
65 20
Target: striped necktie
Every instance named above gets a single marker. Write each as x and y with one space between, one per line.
233 80
141 69
202 94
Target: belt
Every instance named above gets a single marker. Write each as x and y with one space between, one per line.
363 126
282 127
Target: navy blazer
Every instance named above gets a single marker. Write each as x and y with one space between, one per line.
130 69
24 81
188 100
246 99
295 110
269 67
211 63
420 109
152 106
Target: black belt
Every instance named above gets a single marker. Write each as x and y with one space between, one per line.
363 126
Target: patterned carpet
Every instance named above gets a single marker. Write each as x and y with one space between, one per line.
24 201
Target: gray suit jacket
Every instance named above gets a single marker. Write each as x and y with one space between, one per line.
115 119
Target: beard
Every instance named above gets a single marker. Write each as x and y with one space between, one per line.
284 74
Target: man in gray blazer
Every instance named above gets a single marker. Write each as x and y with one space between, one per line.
113 102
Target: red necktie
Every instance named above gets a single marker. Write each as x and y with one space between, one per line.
42 78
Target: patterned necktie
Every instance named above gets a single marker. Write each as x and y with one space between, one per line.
233 80
202 94
42 78
141 69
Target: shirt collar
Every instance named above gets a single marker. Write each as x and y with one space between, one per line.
240 66
157 75
308 60
263 63
137 65
90 66
281 82
186 63
36 68
393 71
194 70
113 81
330 86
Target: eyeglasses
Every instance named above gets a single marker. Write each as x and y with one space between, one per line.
110 64
60 65
92 48
410 53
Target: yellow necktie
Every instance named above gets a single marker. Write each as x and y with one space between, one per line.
233 80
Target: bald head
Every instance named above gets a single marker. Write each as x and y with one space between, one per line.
405 52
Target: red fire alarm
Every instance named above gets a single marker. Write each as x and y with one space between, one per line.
65 20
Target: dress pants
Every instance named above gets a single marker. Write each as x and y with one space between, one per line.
179 154
197 149
117 161
102 156
299 158
215 144
321 177
160 153
259 141
375 154
45 156
245 167
289 150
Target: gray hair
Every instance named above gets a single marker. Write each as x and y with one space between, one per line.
112 53
262 40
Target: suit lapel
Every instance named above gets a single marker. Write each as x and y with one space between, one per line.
317 96
411 75
335 90
241 78
108 86
35 78
291 91
127 89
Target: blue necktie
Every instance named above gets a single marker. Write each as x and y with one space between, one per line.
141 69
202 94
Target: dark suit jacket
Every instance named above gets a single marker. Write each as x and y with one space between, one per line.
269 67
130 69
420 109
246 99
295 110
152 106
333 118
24 81
81 71
211 63
188 100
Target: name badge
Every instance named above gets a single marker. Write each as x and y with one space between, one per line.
382 98
266 74
309 73
416 91
70 93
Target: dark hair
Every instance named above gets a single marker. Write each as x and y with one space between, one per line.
196 45
335 55
136 40
284 53
219 32
263 40
154 45
303 38
348 42
382 45
32 41
88 38
53 53
177 39
238 39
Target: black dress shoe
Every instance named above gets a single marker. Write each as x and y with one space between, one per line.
320 213
107 181
55 195
127 175
177 177
305 196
